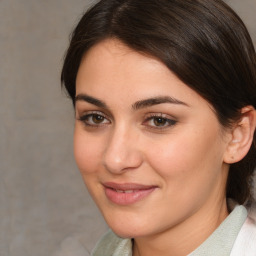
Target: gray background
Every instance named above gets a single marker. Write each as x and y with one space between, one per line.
44 206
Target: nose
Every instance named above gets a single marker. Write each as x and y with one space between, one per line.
122 151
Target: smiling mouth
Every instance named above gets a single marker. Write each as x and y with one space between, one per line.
128 193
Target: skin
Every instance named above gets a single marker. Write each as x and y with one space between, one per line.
182 153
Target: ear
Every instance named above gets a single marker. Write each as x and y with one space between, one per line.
241 136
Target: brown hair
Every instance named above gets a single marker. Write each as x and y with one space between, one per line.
203 42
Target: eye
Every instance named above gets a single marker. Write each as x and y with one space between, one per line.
159 121
94 119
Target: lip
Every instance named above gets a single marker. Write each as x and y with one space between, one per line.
127 193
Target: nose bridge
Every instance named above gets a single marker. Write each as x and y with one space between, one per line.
122 149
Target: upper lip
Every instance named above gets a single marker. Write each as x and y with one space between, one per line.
127 186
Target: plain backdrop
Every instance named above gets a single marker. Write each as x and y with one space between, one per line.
45 208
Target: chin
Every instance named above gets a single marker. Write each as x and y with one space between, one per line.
127 227
128 233
131 229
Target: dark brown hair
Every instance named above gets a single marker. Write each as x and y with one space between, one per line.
203 42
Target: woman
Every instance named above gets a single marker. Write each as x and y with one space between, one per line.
165 94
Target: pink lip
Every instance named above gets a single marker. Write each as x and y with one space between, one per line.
127 193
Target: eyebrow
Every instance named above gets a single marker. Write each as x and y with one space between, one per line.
136 106
155 101
91 100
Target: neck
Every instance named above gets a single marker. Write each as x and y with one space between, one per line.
185 237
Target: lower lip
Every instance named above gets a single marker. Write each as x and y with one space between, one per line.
127 198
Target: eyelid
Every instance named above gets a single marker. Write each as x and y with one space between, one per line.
88 114
171 120
162 115
83 107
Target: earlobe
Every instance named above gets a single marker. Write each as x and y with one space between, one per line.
242 136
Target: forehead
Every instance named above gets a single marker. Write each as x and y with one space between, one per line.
111 68
113 58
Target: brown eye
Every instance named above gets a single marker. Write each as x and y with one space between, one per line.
94 119
97 119
159 121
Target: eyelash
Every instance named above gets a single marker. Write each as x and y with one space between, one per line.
85 119
167 122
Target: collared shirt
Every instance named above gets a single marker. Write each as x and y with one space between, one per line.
222 242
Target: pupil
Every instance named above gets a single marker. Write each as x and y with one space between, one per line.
159 121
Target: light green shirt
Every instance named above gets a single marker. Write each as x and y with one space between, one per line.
219 243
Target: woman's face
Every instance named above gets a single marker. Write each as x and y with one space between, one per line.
149 148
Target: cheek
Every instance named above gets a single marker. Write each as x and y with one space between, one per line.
188 167
87 152
185 155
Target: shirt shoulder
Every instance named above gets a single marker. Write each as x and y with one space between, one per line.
112 245
245 244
